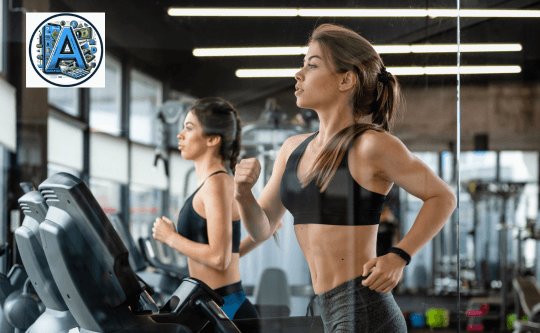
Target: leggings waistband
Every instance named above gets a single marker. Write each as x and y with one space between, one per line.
344 286
229 289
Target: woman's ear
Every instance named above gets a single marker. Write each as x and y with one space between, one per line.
347 81
213 140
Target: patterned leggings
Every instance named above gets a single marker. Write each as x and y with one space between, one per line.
352 307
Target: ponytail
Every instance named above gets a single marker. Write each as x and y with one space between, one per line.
387 100
235 146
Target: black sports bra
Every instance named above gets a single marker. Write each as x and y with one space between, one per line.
344 202
193 226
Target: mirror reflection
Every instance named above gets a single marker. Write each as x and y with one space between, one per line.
499 173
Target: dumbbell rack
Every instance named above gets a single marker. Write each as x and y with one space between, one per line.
505 191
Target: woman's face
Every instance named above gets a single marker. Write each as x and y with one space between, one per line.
316 82
191 140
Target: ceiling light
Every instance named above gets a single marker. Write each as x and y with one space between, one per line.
412 70
266 72
352 12
249 51
382 49
233 12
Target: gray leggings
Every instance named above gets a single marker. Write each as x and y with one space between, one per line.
351 307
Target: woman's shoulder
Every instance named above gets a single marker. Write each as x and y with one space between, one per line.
292 142
374 143
220 182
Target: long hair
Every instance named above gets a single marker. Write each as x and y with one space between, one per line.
376 94
219 117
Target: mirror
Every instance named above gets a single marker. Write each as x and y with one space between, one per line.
499 167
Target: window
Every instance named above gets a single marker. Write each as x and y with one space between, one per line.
182 182
107 194
53 168
478 165
146 96
105 103
64 144
8 114
144 206
65 99
104 149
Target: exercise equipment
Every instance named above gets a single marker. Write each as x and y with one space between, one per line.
528 303
475 317
417 320
12 283
22 308
163 279
198 305
56 317
504 193
90 263
437 318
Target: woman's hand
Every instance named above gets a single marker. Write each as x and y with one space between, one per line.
384 272
245 176
163 229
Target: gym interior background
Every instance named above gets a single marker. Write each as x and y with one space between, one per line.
475 275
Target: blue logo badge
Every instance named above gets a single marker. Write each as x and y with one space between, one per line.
66 50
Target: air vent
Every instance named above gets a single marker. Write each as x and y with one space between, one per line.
25 208
49 196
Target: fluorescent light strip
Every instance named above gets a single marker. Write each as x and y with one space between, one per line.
352 12
382 49
249 51
447 48
233 12
428 70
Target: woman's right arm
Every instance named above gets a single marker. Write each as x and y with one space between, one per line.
260 217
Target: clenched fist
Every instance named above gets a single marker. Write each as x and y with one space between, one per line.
245 176
163 229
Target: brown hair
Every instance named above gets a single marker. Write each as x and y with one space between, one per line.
219 117
377 93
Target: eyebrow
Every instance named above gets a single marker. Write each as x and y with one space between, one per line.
188 123
313 56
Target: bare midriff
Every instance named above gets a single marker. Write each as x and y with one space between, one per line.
334 262
213 277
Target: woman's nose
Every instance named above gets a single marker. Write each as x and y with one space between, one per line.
298 75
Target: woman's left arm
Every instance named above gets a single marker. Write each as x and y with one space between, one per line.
394 163
218 197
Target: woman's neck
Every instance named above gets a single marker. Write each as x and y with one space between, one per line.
332 121
206 165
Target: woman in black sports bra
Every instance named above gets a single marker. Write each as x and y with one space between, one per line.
334 183
208 228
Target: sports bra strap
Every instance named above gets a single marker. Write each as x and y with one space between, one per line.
210 175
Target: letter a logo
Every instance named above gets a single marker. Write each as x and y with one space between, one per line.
66 48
